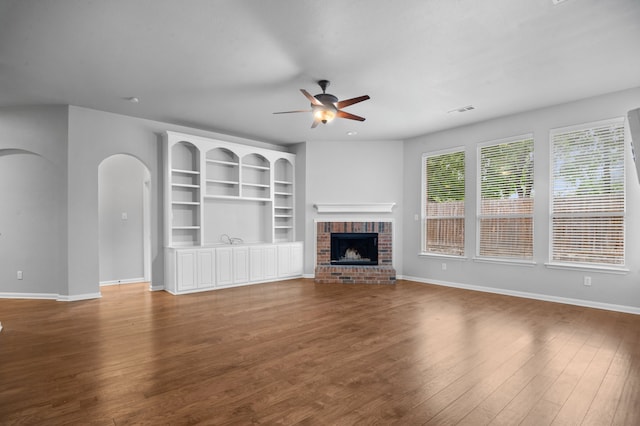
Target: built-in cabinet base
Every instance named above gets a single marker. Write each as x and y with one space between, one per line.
194 269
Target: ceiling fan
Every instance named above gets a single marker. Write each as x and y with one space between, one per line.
325 106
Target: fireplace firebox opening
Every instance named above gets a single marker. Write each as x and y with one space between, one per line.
349 248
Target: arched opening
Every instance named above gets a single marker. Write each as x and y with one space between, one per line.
124 216
32 225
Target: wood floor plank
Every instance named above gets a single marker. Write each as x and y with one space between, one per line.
294 352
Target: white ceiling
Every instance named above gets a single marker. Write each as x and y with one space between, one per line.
226 65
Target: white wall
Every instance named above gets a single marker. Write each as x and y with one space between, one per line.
33 201
121 181
351 172
607 288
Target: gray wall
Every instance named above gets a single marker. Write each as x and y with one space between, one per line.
351 172
121 190
33 200
57 151
94 136
566 285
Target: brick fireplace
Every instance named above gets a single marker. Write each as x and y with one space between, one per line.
382 273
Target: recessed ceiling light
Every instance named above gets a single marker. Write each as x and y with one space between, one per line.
462 109
555 2
352 133
133 99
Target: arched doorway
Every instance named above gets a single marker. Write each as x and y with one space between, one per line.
124 220
32 225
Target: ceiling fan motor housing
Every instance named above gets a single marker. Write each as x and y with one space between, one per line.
326 99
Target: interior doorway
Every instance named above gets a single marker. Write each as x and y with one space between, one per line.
124 214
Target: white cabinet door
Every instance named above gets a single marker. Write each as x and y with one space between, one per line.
297 260
224 266
270 262
284 260
186 269
256 263
206 268
240 265
290 260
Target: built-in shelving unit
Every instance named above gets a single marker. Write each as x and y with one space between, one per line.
283 201
215 188
185 201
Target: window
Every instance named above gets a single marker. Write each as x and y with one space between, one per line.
588 194
505 205
443 203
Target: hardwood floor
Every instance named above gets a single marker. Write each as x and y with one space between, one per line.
293 352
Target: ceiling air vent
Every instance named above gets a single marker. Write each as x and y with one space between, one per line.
462 109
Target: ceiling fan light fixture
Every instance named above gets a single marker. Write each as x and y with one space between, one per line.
324 114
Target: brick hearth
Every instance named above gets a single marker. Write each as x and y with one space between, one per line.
383 273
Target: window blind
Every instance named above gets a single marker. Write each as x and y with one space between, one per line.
505 207
443 202
588 194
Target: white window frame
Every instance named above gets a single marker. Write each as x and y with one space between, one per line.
423 197
480 215
585 266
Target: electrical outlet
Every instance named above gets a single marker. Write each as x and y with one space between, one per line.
587 280
19 275
444 266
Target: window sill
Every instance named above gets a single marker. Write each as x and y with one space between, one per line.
588 268
514 262
442 256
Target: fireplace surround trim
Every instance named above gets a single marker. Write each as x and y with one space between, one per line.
354 208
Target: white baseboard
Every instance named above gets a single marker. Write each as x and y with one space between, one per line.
76 297
45 296
50 296
159 287
527 295
123 281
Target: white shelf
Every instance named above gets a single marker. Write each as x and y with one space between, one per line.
185 172
256 185
226 163
185 185
186 203
235 197
224 182
283 182
284 194
251 166
186 227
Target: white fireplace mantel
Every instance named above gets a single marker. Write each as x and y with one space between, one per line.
355 208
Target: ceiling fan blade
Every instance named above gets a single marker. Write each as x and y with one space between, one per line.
315 123
347 102
289 112
343 114
312 99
